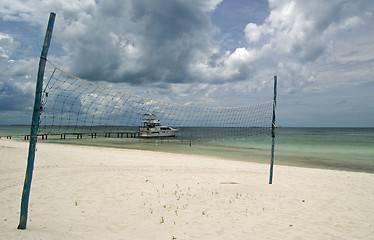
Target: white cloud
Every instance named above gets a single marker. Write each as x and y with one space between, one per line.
7 45
253 32
210 5
299 34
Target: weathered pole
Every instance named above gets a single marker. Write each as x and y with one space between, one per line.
273 131
35 124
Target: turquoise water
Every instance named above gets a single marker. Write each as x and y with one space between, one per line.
333 148
350 149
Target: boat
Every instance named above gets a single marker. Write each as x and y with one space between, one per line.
152 128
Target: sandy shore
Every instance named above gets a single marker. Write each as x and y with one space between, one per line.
100 193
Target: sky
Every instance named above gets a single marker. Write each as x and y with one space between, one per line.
201 52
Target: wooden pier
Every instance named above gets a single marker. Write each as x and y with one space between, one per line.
45 136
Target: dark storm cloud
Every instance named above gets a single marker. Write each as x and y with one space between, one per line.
141 41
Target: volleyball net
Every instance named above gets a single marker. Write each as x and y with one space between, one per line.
77 106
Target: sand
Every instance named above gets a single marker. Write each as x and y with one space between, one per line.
102 193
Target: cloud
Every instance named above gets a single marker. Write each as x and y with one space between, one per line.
139 41
142 42
12 97
167 41
299 35
171 49
7 45
297 41
17 82
253 32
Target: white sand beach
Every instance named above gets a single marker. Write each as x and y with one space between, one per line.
102 193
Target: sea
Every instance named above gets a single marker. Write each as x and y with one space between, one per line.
347 149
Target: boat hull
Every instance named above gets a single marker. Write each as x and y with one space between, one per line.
155 133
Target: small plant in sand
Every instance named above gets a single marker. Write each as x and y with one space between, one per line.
238 195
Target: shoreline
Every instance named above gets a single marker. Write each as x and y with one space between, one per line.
81 192
283 157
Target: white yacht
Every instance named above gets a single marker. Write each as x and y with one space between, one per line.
153 128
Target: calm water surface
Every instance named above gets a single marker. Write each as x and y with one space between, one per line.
350 149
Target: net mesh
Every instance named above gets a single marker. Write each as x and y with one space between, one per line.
75 106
